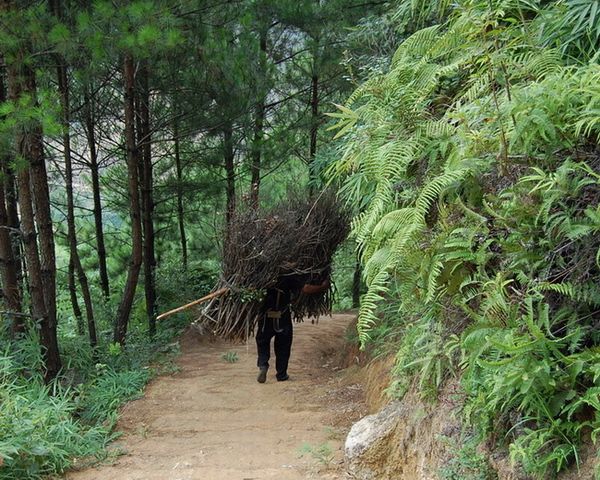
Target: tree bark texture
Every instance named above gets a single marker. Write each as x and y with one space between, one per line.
180 211
12 211
124 310
8 261
259 120
33 189
314 128
73 296
88 112
34 152
229 157
144 140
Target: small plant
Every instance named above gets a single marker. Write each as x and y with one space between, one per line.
230 357
466 462
332 433
323 453
115 349
143 430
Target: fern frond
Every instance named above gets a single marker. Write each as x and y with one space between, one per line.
430 192
587 292
417 45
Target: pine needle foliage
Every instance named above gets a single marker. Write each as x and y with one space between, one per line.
475 165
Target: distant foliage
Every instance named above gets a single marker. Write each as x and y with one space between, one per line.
475 162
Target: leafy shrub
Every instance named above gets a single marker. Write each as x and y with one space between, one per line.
45 429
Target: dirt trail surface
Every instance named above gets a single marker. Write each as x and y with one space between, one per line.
213 421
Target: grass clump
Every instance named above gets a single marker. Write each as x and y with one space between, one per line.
48 429
40 433
230 357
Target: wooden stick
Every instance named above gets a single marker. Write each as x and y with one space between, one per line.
210 296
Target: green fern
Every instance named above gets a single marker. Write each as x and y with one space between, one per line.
473 162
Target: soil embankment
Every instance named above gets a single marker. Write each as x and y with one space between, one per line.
213 421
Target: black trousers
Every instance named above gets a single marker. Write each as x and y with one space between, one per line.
282 330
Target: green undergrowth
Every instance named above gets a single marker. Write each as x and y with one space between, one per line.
466 463
476 164
47 429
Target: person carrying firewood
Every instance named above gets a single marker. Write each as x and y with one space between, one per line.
276 321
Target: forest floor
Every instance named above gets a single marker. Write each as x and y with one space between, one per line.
211 420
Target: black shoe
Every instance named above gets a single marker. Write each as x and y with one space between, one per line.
262 376
283 377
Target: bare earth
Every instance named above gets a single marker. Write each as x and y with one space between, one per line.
213 421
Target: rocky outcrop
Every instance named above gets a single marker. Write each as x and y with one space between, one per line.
413 439
367 436
407 440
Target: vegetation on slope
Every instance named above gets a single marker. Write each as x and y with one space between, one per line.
474 163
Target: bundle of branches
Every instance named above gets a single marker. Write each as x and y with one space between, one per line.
294 241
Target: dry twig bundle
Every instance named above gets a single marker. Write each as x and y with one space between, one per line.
295 239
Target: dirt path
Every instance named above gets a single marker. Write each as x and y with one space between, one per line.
213 421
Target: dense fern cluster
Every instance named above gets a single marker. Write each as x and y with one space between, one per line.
474 160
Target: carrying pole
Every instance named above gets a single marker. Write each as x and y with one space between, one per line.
210 296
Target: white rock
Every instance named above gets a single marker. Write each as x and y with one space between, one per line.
370 430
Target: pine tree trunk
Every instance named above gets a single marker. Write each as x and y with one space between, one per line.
8 261
10 194
95 173
259 120
180 212
41 200
74 260
8 270
147 198
229 157
21 82
73 296
314 128
12 210
124 310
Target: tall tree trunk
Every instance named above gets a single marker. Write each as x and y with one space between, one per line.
124 310
10 279
229 157
180 212
41 201
73 296
259 119
29 145
48 337
8 261
63 88
314 127
90 126
147 198
12 210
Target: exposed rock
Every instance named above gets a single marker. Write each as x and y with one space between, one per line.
414 439
407 440
369 432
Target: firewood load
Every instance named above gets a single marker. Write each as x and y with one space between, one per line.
295 240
